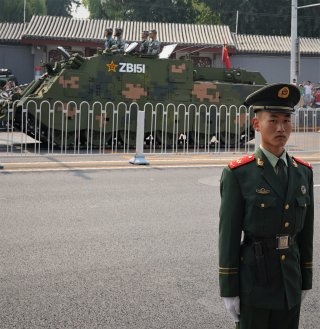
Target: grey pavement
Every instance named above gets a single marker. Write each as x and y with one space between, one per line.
21 160
117 249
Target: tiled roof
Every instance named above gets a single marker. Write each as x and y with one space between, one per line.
309 46
274 44
11 32
65 28
92 30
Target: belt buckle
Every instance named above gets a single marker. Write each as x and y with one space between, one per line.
283 241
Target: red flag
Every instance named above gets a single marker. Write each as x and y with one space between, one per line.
225 57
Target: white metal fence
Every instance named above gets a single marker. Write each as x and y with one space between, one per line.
111 128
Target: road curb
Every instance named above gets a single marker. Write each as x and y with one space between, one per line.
121 161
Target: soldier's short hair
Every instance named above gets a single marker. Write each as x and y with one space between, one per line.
108 30
153 31
145 33
118 31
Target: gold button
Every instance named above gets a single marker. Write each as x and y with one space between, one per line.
262 205
241 259
283 257
286 224
286 207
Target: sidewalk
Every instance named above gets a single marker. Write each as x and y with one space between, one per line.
91 161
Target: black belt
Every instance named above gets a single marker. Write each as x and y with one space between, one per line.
281 241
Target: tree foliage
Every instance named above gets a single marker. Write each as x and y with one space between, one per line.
178 11
272 17
60 7
13 10
204 15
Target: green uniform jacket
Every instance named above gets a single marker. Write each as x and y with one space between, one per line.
154 47
144 45
254 204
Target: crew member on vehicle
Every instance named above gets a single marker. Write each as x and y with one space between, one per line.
118 45
144 44
154 44
109 40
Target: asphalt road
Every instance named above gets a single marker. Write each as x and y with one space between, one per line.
117 249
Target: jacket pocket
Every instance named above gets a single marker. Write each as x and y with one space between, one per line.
266 202
264 214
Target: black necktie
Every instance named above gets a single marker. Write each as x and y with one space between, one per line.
282 174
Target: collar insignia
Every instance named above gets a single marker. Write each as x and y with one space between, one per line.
294 163
260 162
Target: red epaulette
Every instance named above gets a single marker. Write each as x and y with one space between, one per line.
240 162
307 164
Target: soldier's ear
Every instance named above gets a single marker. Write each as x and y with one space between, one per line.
255 124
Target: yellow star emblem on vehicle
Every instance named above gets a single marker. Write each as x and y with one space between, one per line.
112 67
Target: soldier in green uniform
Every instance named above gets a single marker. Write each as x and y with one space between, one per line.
154 44
118 43
266 221
109 40
144 44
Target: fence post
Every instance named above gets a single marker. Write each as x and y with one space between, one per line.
139 158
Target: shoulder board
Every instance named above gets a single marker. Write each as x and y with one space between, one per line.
307 164
240 162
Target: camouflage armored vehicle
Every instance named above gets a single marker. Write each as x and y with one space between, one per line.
77 86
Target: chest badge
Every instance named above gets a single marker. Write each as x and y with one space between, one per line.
303 189
263 191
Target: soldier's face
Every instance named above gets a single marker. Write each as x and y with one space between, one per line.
275 130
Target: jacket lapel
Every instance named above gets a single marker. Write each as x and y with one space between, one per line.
293 176
269 174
